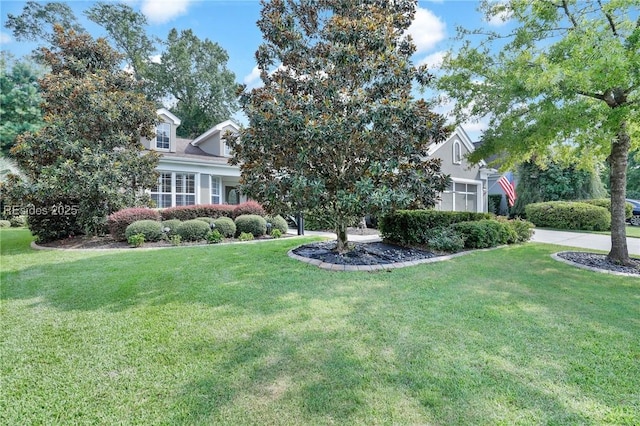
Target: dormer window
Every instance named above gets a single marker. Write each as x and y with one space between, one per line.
163 135
457 152
226 148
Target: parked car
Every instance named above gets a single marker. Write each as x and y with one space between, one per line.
635 218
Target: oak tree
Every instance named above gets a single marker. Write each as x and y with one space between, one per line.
334 130
562 77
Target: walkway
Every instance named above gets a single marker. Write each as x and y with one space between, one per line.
562 238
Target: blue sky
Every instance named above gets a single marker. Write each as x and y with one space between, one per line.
232 24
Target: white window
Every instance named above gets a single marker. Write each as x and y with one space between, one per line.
163 136
161 195
457 152
226 149
216 190
185 189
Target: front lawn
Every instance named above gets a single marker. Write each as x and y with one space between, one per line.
241 334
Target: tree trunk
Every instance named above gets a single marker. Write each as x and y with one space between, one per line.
617 183
342 245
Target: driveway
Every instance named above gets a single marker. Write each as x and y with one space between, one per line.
581 240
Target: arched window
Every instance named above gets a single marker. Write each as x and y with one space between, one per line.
457 152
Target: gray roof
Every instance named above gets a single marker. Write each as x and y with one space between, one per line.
184 149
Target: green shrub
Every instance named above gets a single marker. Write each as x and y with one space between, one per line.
193 230
18 221
606 203
175 240
411 227
117 222
485 233
248 207
5 224
523 229
225 226
245 236
151 229
446 240
208 220
172 224
214 237
251 223
276 233
200 210
135 240
569 215
278 222
495 200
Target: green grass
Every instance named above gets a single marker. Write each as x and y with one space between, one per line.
241 334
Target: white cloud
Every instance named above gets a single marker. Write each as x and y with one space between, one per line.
500 16
434 60
156 59
427 30
5 38
161 11
253 78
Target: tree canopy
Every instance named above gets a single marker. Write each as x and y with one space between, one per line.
87 160
334 130
563 78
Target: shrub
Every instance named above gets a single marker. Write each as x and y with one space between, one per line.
279 223
251 223
200 210
151 229
245 236
214 237
276 233
569 215
249 207
523 230
411 227
49 227
18 221
193 230
495 200
225 226
485 233
208 220
117 222
5 224
175 240
136 240
172 224
447 240
606 203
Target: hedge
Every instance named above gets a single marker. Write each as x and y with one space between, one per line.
183 213
117 222
151 229
411 227
193 230
252 224
248 207
569 215
485 233
278 222
606 203
225 226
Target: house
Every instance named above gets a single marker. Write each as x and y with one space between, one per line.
193 171
468 190
197 171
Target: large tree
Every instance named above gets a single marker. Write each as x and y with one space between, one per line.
19 99
563 76
334 130
87 160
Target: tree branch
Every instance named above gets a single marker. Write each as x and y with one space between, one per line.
567 12
609 18
591 95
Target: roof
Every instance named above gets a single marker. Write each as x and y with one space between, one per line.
168 113
212 131
185 149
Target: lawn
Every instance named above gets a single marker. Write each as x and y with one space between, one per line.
241 334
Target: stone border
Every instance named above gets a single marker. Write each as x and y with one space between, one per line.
381 267
589 268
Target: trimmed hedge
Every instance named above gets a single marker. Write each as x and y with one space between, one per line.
248 207
410 227
606 203
183 213
278 222
172 224
251 224
225 226
151 229
208 220
569 215
485 233
193 230
117 222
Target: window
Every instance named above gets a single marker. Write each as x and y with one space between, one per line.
457 152
163 134
226 149
162 193
215 190
185 189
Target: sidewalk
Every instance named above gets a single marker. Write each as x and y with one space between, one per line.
562 238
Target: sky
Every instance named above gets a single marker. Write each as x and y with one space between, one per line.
232 24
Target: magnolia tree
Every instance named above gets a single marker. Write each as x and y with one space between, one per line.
564 78
86 161
334 130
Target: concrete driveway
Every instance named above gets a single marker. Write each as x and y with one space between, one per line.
581 240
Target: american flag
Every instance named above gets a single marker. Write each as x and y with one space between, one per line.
509 187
